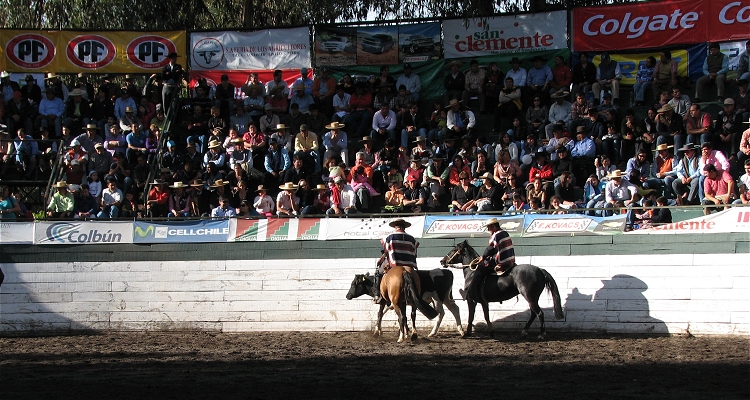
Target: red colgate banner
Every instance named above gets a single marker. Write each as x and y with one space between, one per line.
658 24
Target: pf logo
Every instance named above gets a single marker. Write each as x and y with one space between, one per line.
208 53
150 52
30 51
90 51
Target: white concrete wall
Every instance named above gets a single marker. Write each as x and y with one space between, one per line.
702 294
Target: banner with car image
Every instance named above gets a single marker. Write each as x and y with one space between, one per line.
419 42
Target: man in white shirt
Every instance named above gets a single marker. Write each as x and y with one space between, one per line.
110 201
517 73
558 111
384 123
345 202
411 81
459 120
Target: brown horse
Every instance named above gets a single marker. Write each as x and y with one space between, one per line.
396 286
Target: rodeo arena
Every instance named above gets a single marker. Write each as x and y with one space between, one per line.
558 199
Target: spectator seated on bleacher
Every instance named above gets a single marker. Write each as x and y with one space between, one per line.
110 201
718 188
715 68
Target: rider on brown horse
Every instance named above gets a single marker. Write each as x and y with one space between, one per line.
399 248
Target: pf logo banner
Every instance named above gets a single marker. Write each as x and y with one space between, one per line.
150 52
90 51
30 51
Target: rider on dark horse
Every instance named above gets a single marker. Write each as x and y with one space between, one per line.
399 248
498 256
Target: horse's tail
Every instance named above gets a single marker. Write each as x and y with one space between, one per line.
551 285
411 291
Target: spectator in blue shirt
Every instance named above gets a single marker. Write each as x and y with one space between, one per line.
136 145
51 110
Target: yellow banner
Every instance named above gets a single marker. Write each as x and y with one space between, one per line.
629 63
93 52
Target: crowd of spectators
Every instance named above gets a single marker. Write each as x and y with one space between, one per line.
561 140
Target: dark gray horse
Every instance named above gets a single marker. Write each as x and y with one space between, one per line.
437 287
527 280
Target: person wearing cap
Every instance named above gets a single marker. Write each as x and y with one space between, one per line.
607 105
122 103
670 128
321 201
688 172
538 80
90 138
400 249
618 189
19 113
7 86
715 68
663 171
728 128
58 87
608 76
199 198
179 201
51 110
283 137
415 196
61 203
171 75
474 80
76 152
411 81
698 125
343 198
110 201
718 188
306 145
216 155
276 162
100 160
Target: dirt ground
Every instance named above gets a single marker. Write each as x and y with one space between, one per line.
358 365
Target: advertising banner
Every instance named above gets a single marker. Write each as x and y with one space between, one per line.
571 224
16 232
89 232
377 45
261 50
335 46
733 220
733 51
508 34
659 24
207 231
629 63
368 228
86 51
728 20
419 42
468 225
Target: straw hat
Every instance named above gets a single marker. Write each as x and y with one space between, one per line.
615 174
261 189
214 144
491 221
219 182
51 75
400 222
91 126
281 127
299 86
177 185
665 108
559 94
128 109
4 74
459 64
288 186
196 183
335 125
61 184
321 186
419 139
454 102
663 146
158 182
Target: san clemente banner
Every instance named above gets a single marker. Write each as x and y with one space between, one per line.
204 231
87 51
735 219
249 51
89 232
16 232
508 34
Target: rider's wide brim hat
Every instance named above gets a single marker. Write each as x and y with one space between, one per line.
491 221
400 222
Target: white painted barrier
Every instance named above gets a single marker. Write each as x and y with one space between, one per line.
700 294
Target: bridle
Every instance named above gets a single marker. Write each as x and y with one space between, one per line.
473 265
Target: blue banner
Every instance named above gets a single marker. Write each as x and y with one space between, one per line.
181 231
